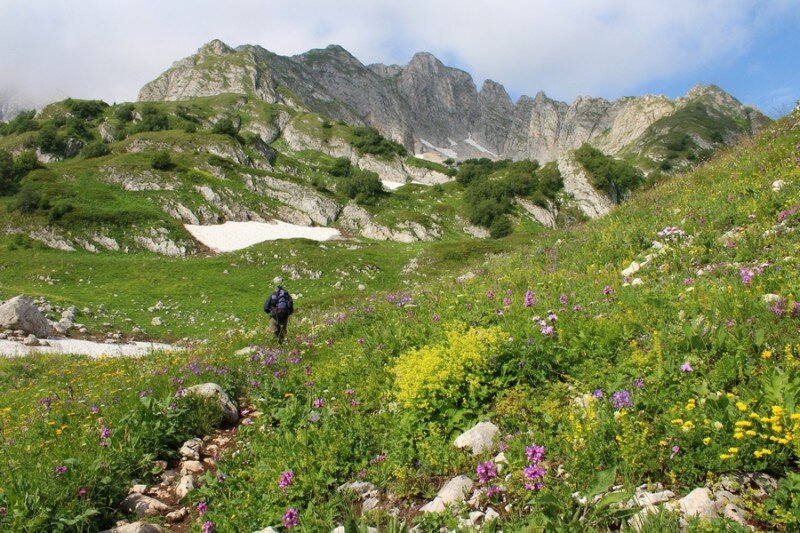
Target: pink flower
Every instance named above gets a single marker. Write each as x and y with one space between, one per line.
291 518
686 367
530 299
287 478
486 471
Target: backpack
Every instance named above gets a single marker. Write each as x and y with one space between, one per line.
279 304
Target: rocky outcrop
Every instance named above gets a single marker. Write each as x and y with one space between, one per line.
357 220
20 313
158 241
319 209
545 217
592 202
230 413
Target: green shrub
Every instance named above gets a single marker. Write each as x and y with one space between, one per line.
614 176
362 185
29 199
8 176
161 161
85 109
22 123
48 140
25 162
153 119
224 126
369 141
501 226
95 149
124 112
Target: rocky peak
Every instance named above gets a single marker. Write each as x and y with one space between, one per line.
491 91
215 47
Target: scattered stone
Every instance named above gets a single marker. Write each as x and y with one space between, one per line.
192 467
452 491
465 277
361 286
168 476
191 449
31 340
632 269
735 513
142 506
267 530
636 282
136 527
211 390
369 504
475 517
778 185
177 516
156 321
480 438
698 503
362 489
185 486
21 313
138 489
491 514
247 350
645 499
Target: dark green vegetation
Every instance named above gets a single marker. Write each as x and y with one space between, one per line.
615 176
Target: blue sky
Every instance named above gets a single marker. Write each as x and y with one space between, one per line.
50 49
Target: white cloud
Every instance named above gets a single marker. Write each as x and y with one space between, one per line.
102 49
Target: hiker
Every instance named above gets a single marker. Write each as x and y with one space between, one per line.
279 306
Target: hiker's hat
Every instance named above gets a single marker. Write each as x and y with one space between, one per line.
277 280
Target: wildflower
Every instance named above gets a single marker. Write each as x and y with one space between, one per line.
741 406
598 393
291 518
436 318
747 275
247 421
349 392
675 450
318 403
688 281
638 383
766 354
208 526
551 316
294 359
82 492
313 418
530 299
145 393
607 290
60 470
490 295
361 339
563 299
534 472
494 490
621 399
378 459
105 432
486 471
202 508
286 479
547 329
687 367
535 453
707 441
502 446
577 307
507 301
355 403
761 453
534 486
94 409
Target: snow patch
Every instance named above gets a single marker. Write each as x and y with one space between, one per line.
83 347
232 236
392 185
470 141
444 151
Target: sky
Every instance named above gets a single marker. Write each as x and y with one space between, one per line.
108 49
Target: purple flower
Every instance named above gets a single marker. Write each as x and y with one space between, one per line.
105 433
675 450
361 340
686 367
780 307
598 393
82 492
530 299
551 316
94 409
494 490
247 421
202 508
534 486
146 392
490 294
60 470
688 281
747 275
313 418
486 471
294 359
291 518
507 301
349 392
354 402
607 290
563 299
577 307
208 526
547 329
534 472
287 478
502 446
436 318
621 399
318 403
638 383
535 453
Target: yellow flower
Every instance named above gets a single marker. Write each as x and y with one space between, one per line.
777 410
733 450
761 453
766 354
707 441
678 421
725 456
738 435
750 433
744 423
741 406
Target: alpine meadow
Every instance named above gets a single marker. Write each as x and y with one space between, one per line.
508 315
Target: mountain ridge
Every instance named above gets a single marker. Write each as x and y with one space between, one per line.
437 110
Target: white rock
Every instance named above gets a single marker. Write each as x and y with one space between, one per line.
369 504
770 298
191 449
177 516
156 321
452 491
778 185
142 506
21 313
138 489
185 486
212 390
480 438
135 527
636 282
465 277
698 503
735 513
475 517
192 467
645 499
270 529
632 269
491 514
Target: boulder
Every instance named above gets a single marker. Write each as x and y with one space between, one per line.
177 516
212 390
698 503
191 449
185 486
21 313
452 491
480 438
192 467
136 527
142 505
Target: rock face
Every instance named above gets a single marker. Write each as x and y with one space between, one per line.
592 202
20 313
430 107
212 390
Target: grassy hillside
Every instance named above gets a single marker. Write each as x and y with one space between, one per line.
679 373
